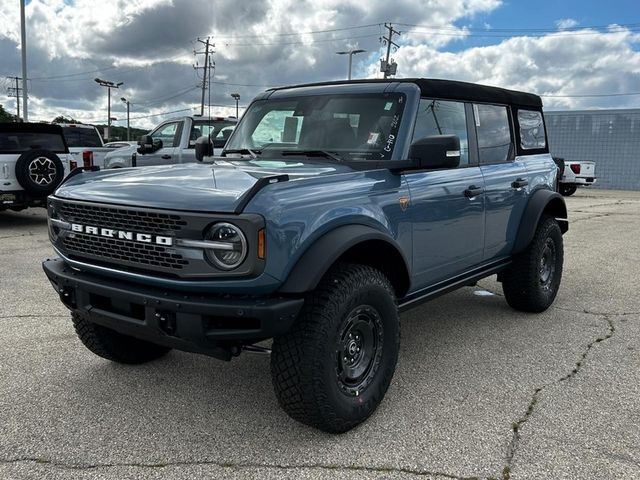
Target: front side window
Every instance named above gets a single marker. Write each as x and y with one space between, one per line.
494 134
219 131
438 117
531 129
353 126
166 133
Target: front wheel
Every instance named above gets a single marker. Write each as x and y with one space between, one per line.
333 368
532 281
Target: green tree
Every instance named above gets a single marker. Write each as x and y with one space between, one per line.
63 119
5 116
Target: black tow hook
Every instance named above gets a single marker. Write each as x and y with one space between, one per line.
167 321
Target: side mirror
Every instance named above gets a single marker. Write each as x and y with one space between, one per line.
147 144
204 148
438 151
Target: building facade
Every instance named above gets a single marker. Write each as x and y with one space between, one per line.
611 138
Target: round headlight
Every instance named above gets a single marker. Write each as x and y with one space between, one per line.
230 247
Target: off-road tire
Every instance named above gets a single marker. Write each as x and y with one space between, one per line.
306 365
114 346
566 190
39 172
532 281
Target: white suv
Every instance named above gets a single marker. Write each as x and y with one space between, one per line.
34 159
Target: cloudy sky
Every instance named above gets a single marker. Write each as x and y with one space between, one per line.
576 53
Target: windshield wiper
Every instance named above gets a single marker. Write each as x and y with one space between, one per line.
245 151
313 153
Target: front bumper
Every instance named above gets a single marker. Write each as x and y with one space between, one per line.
215 325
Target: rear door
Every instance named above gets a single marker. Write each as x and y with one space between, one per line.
169 133
506 180
447 222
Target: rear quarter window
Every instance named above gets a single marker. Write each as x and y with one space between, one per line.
18 142
82 137
531 125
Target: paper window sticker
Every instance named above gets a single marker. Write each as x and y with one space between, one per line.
388 105
373 138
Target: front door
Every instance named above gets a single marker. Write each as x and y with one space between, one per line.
169 133
447 218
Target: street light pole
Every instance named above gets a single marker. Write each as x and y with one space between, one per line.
236 96
351 53
23 49
128 127
109 85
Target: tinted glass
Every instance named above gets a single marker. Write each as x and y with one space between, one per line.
437 117
494 135
81 137
531 129
16 142
218 130
362 127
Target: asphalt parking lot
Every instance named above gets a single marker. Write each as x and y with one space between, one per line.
480 390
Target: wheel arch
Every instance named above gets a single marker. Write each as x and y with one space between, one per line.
541 202
350 243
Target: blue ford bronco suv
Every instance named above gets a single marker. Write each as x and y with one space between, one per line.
333 207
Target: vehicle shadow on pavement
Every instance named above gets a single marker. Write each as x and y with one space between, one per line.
466 371
25 218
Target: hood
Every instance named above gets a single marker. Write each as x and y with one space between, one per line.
217 187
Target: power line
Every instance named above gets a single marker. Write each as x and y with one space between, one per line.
312 32
548 29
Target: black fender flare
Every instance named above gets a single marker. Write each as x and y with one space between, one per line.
319 257
541 201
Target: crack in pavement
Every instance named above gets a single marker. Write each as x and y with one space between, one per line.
517 426
247 465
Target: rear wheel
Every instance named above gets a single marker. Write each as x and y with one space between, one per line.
332 369
112 345
566 190
532 281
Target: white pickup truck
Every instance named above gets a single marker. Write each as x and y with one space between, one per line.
173 141
85 138
576 173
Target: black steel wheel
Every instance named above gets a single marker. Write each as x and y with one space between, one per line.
566 190
532 281
333 368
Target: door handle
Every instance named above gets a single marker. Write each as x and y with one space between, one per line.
520 182
473 191
165 157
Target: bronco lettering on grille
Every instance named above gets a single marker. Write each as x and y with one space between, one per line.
122 234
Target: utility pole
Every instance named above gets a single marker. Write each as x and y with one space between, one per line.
23 50
128 127
109 85
15 91
385 66
207 67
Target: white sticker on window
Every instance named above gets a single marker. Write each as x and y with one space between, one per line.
373 138
388 105
476 114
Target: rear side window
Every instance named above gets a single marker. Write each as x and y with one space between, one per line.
531 129
494 134
18 142
82 137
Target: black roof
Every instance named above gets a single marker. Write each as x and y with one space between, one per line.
30 127
450 89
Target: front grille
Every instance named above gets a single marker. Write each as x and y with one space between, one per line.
113 250
122 218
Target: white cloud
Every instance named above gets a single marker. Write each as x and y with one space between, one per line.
148 45
566 23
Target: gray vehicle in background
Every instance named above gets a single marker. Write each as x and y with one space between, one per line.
173 141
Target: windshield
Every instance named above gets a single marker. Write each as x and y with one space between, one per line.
358 127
